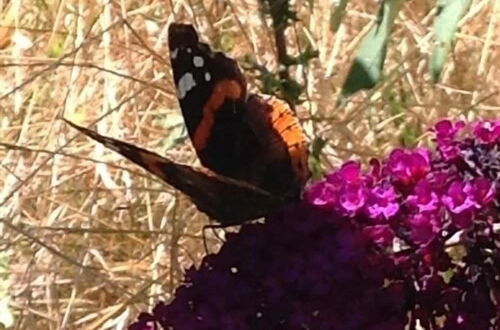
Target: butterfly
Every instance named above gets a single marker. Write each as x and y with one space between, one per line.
253 150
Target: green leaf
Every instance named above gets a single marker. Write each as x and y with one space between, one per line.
449 13
291 90
409 135
398 100
337 15
366 71
288 89
315 158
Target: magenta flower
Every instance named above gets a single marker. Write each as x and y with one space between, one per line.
423 198
459 197
424 227
483 191
449 150
322 194
382 203
446 130
382 235
367 249
408 167
352 198
349 172
487 131
299 270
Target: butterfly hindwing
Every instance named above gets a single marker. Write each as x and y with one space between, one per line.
284 158
224 199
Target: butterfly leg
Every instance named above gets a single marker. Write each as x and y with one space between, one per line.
213 228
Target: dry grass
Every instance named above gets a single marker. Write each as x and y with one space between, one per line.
91 239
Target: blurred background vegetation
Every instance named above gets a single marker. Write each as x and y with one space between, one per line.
87 239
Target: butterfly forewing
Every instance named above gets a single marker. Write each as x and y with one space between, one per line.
224 199
207 83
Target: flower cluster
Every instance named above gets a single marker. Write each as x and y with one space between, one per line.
413 240
298 270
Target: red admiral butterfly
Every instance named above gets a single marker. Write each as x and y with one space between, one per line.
253 145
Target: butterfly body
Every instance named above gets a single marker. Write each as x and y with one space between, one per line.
252 146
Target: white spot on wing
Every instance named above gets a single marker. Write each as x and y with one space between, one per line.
186 83
189 50
207 76
198 61
173 54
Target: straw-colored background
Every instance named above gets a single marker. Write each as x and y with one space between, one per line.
88 239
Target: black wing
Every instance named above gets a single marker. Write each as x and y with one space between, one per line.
228 201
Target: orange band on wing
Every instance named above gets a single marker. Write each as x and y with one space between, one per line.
225 89
288 127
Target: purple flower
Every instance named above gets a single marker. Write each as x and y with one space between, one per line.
408 167
463 220
459 200
449 150
342 190
446 130
382 235
487 131
145 322
423 227
459 197
277 276
322 194
483 191
352 198
363 250
423 198
349 172
382 203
